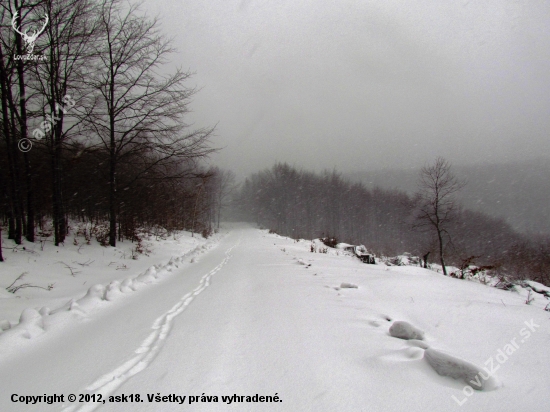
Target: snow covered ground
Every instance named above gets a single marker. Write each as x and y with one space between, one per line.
251 313
71 270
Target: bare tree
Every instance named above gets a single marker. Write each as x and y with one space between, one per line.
138 114
68 44
436 202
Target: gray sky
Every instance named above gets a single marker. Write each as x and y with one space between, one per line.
366 84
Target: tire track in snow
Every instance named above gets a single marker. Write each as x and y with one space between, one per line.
149 348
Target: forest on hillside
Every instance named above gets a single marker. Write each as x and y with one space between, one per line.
307 205
517 191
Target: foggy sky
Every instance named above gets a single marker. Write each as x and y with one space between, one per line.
365 84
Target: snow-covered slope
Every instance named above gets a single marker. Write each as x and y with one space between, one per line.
261 314
74 267
82 278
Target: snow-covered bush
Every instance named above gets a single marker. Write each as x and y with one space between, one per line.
330 241
101 233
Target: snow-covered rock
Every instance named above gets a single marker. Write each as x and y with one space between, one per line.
447 365
404 330
538 287
5 325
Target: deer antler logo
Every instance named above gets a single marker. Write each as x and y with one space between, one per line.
29 39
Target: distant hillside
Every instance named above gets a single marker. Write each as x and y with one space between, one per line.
518 192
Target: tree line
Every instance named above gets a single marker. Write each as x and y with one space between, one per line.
93 124
307 205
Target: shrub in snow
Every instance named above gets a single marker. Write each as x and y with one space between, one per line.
397 261
447 365
529 298
101 233
468 270
330 241
141 248
206 232
504 283
14 288
404 330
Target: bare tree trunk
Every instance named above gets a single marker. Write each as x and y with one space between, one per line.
16 182
112 192
29 232
56 147
7 136
60 228
15 212
23 130
441 257
112 156
195 210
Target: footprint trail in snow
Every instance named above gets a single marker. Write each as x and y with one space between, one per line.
148 349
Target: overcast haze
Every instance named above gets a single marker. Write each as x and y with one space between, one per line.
366 84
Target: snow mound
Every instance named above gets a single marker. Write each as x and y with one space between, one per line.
447 365
127 286
112 291
93 297
538 287
149 276
404 330
31 323
44 311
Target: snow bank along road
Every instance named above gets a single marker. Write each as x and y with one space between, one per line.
261 315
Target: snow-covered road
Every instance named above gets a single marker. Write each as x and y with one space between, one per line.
126 333
251 317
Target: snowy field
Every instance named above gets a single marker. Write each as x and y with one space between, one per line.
249 313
